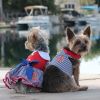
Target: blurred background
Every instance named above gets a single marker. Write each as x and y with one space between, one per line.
18 16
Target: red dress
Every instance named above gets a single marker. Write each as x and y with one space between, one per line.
40 56
29 75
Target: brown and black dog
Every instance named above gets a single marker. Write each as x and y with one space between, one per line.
62 73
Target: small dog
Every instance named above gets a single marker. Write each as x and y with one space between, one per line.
27 76
62 73
37 39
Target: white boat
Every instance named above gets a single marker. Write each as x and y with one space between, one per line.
37 16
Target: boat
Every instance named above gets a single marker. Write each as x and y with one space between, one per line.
36 16
71 17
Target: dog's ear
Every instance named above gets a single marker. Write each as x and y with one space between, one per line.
33 36
70 34
87 31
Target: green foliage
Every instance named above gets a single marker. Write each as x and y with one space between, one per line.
95 50
50 5
14 5
18 5
53 43
97 2
14 49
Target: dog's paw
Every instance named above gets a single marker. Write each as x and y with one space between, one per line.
79 88
83 88
16 89
33 90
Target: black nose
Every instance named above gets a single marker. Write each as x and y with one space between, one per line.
83 46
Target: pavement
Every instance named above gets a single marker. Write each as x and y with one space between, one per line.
93 93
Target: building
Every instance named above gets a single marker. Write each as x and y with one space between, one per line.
68 4
73 4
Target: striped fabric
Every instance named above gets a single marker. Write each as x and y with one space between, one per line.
62 61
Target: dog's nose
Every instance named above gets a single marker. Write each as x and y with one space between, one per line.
83 46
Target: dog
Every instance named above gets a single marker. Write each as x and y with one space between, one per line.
62 73
27 76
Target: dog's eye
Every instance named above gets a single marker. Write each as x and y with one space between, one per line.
86 41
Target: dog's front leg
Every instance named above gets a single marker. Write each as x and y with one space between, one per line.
76 73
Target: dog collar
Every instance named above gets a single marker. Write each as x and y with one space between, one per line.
72 54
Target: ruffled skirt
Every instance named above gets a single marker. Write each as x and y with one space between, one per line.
26 73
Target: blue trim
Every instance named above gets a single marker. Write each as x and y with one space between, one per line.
89 7
25 62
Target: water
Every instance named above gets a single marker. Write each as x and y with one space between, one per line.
14 49
94 21
91 66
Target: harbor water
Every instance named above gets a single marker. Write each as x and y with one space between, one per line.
12 47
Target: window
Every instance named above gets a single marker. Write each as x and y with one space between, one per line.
69 6
66 6
73 6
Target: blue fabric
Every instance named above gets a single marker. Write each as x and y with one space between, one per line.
61 60
29 73
23 63
26 73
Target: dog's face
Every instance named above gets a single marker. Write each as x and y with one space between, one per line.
81 43
35 37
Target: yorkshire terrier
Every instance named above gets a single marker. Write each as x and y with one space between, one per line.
62 73
27 76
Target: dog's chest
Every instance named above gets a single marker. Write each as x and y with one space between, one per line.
74 62
62 61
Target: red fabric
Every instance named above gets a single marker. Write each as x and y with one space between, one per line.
72 54
36 56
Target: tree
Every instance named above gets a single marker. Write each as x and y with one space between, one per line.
14 5
50 4
86 2
97 2
18 5
1 11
